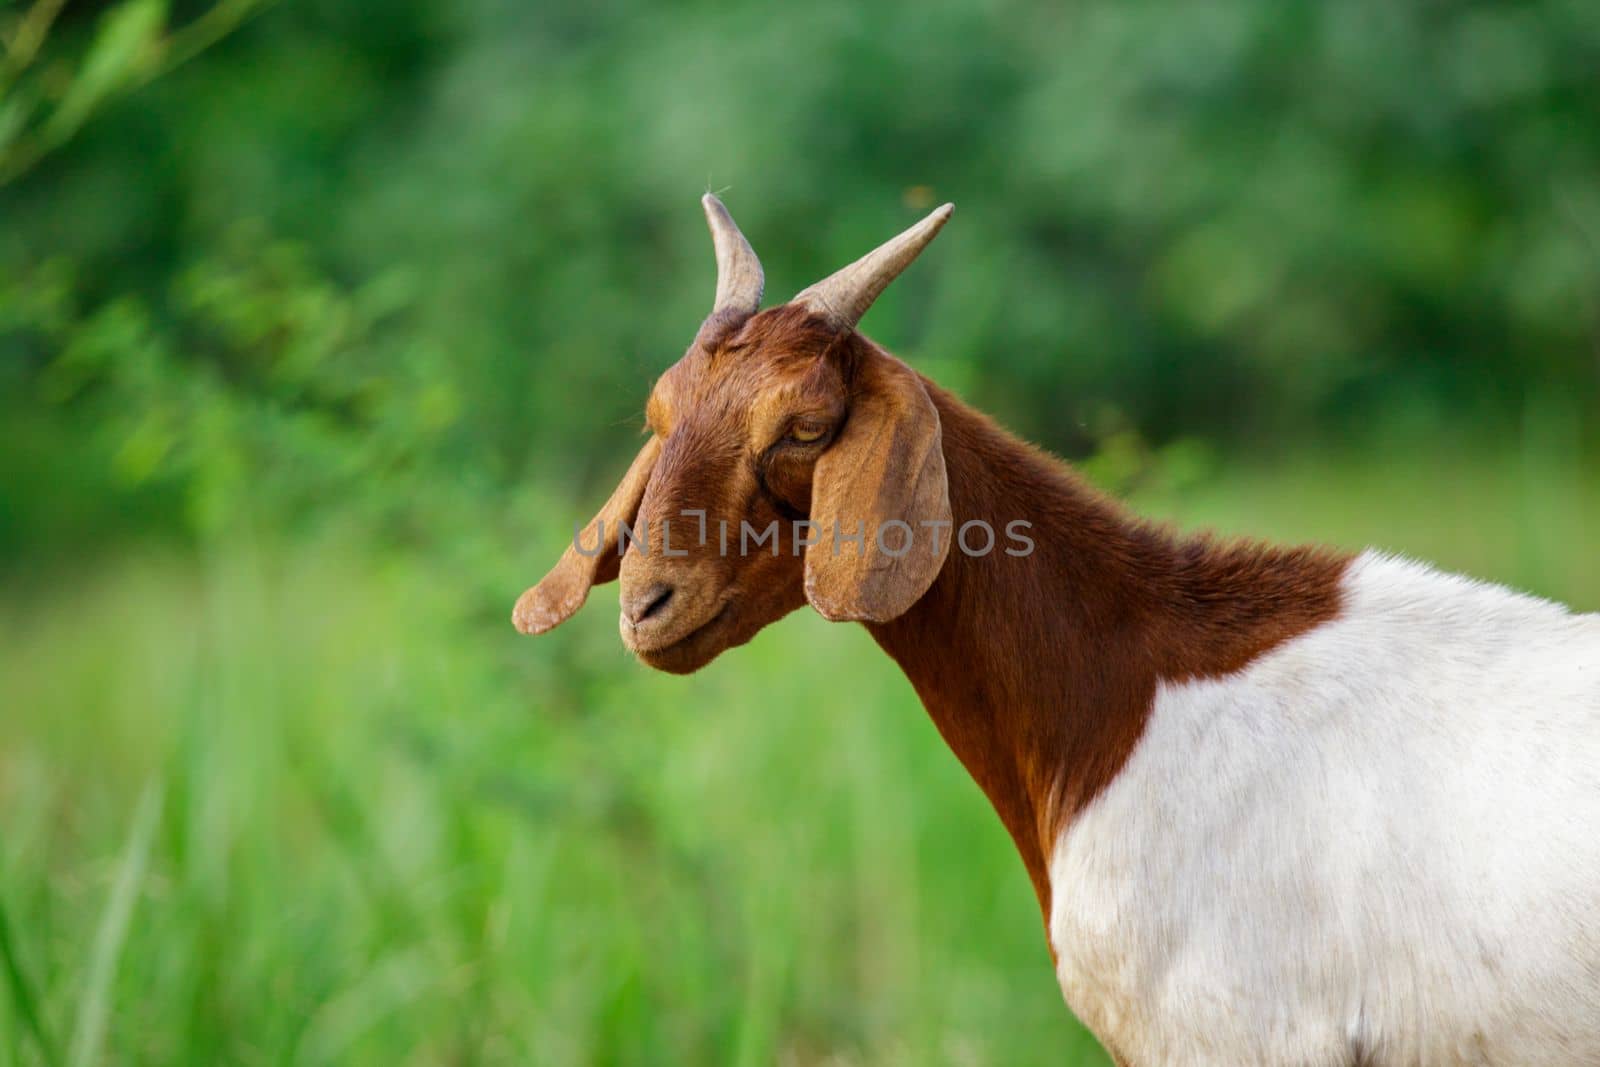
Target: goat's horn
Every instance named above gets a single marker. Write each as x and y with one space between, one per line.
739 278
844 296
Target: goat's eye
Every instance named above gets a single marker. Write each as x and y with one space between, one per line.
806 433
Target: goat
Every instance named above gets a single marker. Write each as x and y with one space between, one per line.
1279 805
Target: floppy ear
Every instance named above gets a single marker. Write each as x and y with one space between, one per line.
887 465
563 591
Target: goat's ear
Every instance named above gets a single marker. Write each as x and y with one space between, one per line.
887 467
562 592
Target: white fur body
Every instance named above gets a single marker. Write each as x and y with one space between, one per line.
1376 845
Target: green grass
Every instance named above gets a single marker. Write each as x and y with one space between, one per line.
307 802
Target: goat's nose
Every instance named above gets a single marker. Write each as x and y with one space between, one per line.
640 604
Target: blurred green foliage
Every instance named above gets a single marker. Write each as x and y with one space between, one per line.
469 232
320 324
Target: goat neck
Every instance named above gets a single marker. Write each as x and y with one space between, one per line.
1040 670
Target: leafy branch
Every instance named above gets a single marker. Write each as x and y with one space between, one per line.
132 46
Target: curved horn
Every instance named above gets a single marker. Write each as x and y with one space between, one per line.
739 278
844 296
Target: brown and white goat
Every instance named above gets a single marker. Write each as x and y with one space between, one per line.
1279 805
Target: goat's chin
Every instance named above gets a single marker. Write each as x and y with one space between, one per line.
695 650
729 628
686 657
738 620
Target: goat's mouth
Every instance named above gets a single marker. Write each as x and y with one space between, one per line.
689 651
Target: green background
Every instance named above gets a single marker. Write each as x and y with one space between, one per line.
320 324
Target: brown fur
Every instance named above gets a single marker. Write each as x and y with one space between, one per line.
1039 670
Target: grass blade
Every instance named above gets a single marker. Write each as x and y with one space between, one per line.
95 1006
22 990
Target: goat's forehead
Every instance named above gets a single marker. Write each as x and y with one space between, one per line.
736 379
